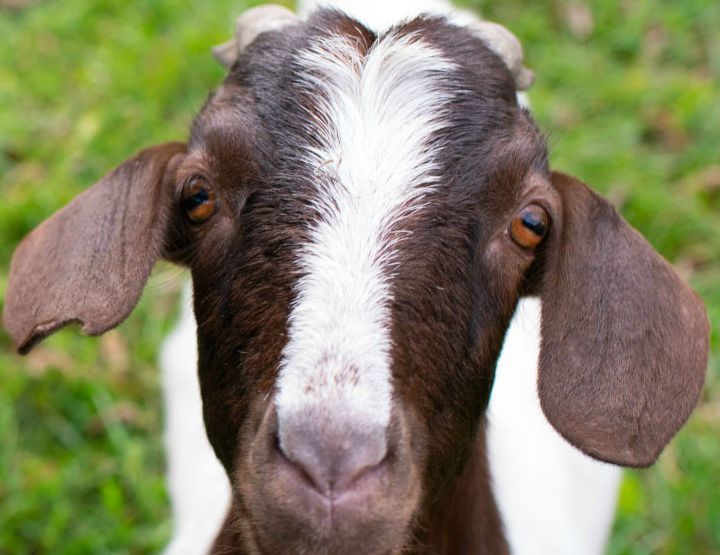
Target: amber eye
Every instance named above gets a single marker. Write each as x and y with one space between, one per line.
529 226
198 200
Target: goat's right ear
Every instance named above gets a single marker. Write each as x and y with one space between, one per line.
89 262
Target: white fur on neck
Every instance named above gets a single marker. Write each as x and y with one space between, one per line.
553 499
197 484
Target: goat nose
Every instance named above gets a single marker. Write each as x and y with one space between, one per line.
332 456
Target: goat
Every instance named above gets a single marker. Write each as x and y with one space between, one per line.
361 212
551 497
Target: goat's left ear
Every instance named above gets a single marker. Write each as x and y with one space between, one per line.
624 339
89 262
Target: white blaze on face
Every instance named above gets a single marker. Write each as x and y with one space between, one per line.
374 162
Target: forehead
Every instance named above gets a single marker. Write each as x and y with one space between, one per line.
295 91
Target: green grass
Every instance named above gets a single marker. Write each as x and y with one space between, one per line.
631 106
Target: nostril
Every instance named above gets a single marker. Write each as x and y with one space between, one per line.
353 479
298 469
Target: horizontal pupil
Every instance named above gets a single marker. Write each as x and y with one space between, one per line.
534 224
192 202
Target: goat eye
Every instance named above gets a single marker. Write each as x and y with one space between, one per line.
198 200
529 226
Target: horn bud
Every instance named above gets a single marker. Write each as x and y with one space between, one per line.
248 26
507 46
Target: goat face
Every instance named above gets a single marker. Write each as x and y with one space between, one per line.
360 214
353 288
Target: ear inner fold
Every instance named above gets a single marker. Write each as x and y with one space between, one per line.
624 339
88 263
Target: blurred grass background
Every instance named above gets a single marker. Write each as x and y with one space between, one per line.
626 89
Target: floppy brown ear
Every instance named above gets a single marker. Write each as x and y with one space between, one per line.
624 339
88 263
